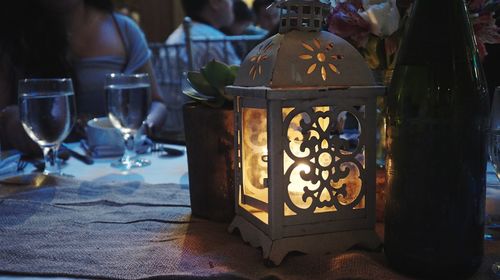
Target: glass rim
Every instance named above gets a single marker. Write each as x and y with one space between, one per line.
44 87
121 75
45 80
46 94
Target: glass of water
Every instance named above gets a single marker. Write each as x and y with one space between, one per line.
128 98
494 135
494 153
47 112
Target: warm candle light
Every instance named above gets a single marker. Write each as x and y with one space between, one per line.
255 153
301 178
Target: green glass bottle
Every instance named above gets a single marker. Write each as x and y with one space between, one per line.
437 111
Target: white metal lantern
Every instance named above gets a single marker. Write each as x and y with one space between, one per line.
305 179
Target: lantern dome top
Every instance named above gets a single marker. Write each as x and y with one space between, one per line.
302 55
298 59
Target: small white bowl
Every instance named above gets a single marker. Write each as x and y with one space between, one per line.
100 132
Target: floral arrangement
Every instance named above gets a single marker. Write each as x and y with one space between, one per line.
374 27
482 14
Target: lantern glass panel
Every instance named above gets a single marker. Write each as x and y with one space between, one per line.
260 214
322 160
254 154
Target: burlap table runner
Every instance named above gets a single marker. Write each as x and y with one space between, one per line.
132 230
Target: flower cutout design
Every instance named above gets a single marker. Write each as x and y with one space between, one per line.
321 59
261 56
322 175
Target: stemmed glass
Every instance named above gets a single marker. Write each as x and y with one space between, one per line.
494 134
47 112
494 154
128 98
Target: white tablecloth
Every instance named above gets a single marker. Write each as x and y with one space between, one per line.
162 170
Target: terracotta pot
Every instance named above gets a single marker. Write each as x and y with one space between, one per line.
210 151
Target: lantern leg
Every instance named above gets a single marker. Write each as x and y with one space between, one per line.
251 234
334 243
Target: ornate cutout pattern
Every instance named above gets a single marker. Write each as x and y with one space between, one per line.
320 59
261 56
322 173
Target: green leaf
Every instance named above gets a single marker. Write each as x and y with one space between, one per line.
218 75
196 95
234 69
200 84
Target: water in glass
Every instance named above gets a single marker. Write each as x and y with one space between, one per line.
128 98
47 118
47 113
494 150
494 135
128 106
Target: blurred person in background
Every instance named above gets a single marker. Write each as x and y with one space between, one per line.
208 17
80 39
267 17
244 21
243 24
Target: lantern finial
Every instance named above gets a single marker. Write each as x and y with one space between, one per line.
303 15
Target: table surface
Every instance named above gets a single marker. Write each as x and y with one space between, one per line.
162 170
174 170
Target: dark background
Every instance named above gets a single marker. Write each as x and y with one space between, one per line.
158 17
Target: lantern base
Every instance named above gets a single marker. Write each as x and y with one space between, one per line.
276 250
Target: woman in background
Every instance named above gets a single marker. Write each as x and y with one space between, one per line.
81 39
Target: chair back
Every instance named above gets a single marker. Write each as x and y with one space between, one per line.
172 61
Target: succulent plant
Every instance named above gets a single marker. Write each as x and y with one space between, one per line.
207 85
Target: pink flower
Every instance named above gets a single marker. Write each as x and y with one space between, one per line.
354 20
486 32
345 21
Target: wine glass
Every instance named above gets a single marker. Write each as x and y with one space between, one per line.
128 98
494 154
494 134
47 112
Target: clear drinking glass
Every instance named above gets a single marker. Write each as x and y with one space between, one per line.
494 135
47 112
128 98
494 153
